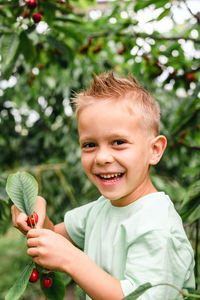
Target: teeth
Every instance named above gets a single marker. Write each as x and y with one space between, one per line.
110 175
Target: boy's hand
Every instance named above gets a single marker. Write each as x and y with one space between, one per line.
19 219
49 249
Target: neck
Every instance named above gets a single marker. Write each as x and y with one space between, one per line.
144 189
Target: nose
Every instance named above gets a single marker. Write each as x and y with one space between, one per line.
103 156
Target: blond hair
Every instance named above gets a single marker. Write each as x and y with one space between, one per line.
108 87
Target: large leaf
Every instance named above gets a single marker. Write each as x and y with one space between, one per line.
195 214
27 47
79 293
57 290
9 47
190 208
22 188
20 285
139 291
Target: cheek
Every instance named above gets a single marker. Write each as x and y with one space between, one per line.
86 162
83 162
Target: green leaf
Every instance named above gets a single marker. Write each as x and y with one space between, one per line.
142 4
138 292
3 195
193 192
195 215
164 14
9 46
57 290
79 292
26 47
190 207
58 44
20 285
22 188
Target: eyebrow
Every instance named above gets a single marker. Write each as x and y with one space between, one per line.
110 136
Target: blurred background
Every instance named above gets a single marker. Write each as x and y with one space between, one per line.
49 50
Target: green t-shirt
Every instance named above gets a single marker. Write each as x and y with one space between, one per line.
142 242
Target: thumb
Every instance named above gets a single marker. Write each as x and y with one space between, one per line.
40 209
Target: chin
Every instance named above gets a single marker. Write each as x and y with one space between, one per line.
111 197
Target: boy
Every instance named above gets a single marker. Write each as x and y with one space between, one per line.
132 233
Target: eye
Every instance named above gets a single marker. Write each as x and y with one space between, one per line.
119 142
88 145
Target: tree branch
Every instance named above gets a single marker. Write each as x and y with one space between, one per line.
158 38
145 35
188 8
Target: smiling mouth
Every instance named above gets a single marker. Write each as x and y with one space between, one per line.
110 177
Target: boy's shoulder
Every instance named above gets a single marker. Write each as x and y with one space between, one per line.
155 213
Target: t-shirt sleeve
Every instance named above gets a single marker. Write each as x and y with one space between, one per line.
157 257
75 223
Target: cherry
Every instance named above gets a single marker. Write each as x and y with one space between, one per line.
31 4
183 133
25 14
47 282
191 77
37 17
35 275
33 219
121 50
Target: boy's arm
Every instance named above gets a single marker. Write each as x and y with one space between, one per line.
60 229
98 284
53 251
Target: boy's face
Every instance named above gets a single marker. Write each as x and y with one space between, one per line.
115 151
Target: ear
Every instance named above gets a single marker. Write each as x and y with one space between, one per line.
158 146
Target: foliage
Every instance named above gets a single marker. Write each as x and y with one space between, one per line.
22 189
144 287
20 285
13 259
43 64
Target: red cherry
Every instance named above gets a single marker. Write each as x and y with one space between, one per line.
25 14
37 17
31 4
47 282
191 77
35 275
33 219
121 50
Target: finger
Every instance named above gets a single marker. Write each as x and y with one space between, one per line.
19 219
40 209
32 242
33 233
13 214
33 252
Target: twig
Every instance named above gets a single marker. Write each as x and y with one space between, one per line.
66 188
187 224
145 35
184 295
39 168
195 16
196 251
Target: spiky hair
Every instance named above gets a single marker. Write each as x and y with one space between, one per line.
125 89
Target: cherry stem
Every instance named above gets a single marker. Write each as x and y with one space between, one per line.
184 295
32 225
